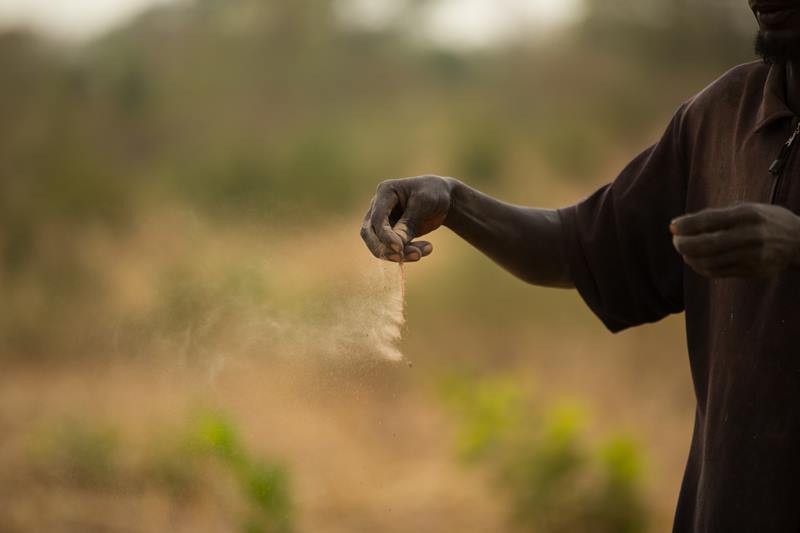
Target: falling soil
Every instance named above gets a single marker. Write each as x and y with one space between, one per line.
390 324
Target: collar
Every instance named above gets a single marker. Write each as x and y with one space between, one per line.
773 102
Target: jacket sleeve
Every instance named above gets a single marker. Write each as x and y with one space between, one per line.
617 241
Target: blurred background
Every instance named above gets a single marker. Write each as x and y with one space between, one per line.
190 328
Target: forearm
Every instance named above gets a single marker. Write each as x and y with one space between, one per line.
524 241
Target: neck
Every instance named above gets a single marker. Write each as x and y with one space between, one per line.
793 86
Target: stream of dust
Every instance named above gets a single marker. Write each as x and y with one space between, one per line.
360 316
364 319
390 331
367 319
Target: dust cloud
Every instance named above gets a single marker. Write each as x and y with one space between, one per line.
363 318
368 321
315 297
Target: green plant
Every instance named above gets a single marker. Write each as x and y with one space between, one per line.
264 486
554 479
489 412
76 451
82 453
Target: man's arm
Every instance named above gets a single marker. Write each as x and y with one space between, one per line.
525 241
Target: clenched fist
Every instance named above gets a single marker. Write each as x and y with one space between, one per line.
746 240
402 210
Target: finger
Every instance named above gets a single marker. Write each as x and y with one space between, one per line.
403 229
738 258
424 247
731 272
407 224
703 270
738 261
710 220
411 254
384 202
717 242
417 250
372 241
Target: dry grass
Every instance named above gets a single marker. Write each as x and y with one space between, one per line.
368 444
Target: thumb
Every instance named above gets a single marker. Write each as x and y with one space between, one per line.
405 226
421 216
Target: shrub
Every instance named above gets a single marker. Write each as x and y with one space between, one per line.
555 480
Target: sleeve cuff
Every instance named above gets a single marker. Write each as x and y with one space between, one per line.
580 271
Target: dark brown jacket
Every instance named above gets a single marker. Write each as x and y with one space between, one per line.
743 473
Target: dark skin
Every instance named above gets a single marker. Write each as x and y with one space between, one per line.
749 240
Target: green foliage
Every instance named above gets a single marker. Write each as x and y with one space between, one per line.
78 452
489 411
618 503
555 481
264 486
83 453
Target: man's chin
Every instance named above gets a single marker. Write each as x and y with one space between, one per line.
778 46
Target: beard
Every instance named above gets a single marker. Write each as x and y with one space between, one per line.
778 46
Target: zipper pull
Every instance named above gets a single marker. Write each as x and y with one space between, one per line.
777 166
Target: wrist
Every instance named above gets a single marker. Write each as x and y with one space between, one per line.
456 191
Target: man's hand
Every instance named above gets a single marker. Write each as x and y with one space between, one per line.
745 240
402 210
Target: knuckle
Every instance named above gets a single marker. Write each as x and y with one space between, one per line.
757 214
429 179
385 187
425 197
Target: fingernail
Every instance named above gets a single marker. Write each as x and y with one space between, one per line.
413 256
427 248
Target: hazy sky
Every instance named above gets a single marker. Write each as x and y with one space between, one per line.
452 21
478 21
70 18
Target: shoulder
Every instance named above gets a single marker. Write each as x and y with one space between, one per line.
739 79
738 89
725 109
